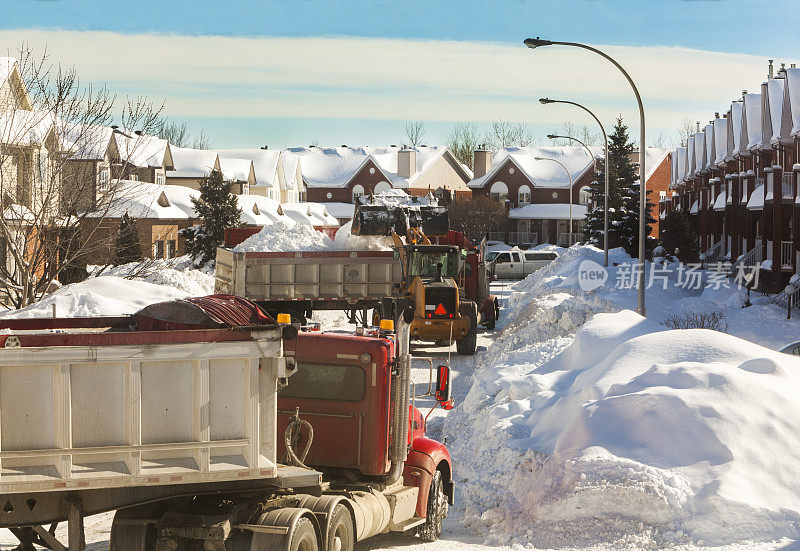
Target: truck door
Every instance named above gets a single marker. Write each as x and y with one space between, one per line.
502 265
515 269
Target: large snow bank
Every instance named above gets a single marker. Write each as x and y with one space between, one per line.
177 272
587 423
100 296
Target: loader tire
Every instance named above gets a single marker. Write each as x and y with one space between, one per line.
437 510
469 343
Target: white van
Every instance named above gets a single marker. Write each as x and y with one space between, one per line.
519 264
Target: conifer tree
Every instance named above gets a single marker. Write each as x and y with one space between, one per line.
678 233
623 196
126 246
218 209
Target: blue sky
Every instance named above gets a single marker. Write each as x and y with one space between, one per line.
295 71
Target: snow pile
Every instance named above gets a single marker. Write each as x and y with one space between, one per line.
584 427
100 296
179 273
346 241
281 237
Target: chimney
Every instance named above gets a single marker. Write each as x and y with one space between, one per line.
483 161
406 163
716 115
782 71
770 67
698 125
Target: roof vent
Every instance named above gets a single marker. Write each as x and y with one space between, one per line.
344 145
114 127
744 93
137 132
423 145
312 145
393 145
716 115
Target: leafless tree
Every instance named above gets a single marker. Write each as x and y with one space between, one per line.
178 134
415 132
662 141
476 216
53 217
462 142
506 134
686 129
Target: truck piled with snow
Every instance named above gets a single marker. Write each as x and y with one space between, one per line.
203 422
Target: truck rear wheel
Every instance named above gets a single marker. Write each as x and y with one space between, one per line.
304 537
469 343
341 532
437 510
133 530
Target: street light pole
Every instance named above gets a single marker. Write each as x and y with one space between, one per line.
536 43
569 176
546 101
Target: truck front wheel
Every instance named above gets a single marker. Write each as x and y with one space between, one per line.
304 537
341 533
437 510
469 343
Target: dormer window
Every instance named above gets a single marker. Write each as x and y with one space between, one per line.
524 195
498 192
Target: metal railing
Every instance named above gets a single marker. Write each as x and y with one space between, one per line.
782 298
715 252
523 238
569 239
788 185
753 257
497 236
787 254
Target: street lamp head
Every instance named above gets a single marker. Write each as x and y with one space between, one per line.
545 101
541 159
552 136
536 42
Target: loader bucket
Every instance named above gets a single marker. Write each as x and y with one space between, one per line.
385 219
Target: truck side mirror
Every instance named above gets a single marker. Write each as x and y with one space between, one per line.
443 386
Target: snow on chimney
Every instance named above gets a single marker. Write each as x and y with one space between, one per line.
482 162
406 163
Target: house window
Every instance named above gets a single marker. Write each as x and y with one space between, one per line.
134 177
160 179
158 249
303 193
358 191
498 192
102 180
524 195
381 187
585 195
171 248
245 189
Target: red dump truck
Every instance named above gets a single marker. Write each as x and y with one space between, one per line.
207 425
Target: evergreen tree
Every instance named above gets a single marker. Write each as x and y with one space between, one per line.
126 246
623 197
678 233
219 209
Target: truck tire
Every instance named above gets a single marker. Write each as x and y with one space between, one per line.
492 316
304 537
341 532
437 510
469 343
129 535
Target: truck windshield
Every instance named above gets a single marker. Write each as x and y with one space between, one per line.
423 263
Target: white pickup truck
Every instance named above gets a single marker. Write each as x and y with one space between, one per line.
518 264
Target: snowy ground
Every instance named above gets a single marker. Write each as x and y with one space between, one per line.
491 430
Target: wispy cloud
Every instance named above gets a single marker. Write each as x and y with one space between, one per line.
362 78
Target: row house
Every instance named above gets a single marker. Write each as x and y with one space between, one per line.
336 176
737 180
541 196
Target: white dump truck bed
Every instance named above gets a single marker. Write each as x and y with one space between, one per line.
329 275
111 416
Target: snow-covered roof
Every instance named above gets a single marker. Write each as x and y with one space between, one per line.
793 86
543 173
340 210
695 207
290 164
237 170
336 166
699 152
776 94
18 213
708 132
181 197
192 163
548 211
681 160
737 120
690 157
86 141
720 140
141 150
752 110
312 214
24 128
721 200
258 210
265 162
653 157
756 201
139 200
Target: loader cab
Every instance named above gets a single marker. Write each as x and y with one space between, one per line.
423 261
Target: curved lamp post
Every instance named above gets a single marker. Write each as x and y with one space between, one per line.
546 101
570 191
538 42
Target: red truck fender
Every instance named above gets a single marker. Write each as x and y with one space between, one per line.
425 457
